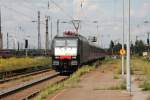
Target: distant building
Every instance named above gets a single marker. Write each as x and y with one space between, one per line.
146 54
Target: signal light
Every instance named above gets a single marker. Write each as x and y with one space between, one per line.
26 44
148 41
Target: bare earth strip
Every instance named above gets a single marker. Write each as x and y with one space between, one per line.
93 87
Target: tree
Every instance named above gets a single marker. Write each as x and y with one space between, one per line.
132 48
117 48
111 46
139 47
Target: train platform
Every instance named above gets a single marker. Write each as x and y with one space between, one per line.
96 85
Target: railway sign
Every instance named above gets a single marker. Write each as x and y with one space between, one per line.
122 52
26 44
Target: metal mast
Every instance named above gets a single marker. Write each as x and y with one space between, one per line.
128 56
123 41
57 27
1 36
46 41
39 35
7 42
51 33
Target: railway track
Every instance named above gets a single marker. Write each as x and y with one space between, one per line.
15 77
35 93
29 89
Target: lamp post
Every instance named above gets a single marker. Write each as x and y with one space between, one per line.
1 35
7 41
51 33
123 40
128 78
57 27
47 33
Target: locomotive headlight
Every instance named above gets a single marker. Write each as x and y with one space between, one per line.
74 57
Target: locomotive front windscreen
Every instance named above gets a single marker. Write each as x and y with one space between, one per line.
71 43
66 47
60 43
66 43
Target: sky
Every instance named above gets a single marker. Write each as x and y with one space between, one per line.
17 17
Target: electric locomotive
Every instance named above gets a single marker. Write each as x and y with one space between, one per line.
71 51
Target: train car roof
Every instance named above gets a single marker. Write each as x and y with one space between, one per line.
74 36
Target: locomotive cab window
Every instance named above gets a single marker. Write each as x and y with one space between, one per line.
60 43
65 47
72 43
66 43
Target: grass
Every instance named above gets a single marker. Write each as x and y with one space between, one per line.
11 64
148 98
145 86
75 78
123 85
142 67
139 66
116 76
109 60
69 83
116 64
111 64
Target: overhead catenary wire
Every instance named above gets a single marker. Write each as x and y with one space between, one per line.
29 17
18 12
58 6
32 4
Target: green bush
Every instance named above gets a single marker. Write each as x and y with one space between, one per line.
148 98
116 76
145 86
122 86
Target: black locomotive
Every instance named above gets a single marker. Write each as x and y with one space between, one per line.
71 51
